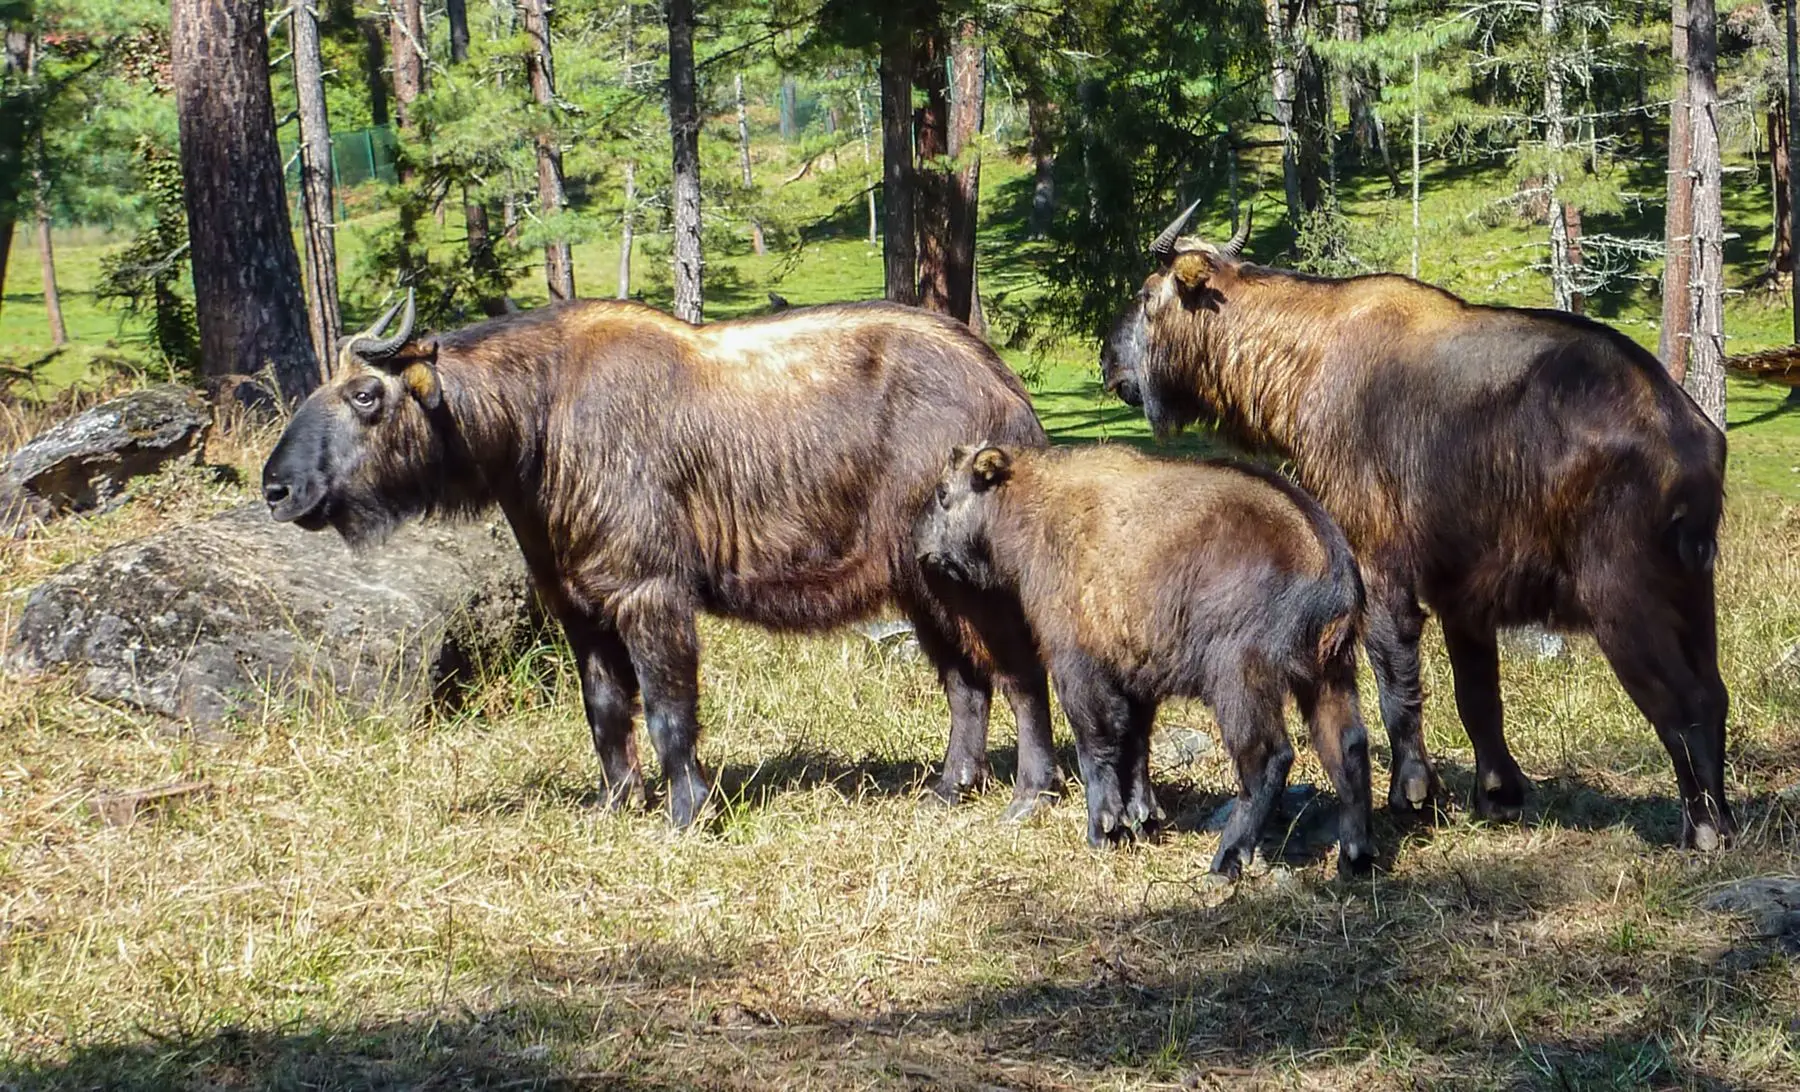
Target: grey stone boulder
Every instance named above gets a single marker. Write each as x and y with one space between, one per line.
84 463
203 621
1772 903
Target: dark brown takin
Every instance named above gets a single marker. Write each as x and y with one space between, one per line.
1147 579
766 470
1503 466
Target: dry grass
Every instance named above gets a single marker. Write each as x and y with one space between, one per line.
384 903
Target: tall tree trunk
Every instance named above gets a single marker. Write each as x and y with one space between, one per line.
1562 277
559 263
743 111
899 242
785 109
478 234
935 187
627 228
406 45
862 123
1781 249
1678 229
1706 360
316 206
40 201
1281 81
967 108
1040 116
684 131
247 295
1312 120
1415 166
1793 153
15 136
374 58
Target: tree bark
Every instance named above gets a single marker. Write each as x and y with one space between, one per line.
1562 279
40 201
967 109
247 294
743 111
1415 167
684 132
862 123
478 234
316 207
1781 257
406 47
627 229
1792 147
934 187
1706 358
15 136
1040 116
559 262
1672 343
899 242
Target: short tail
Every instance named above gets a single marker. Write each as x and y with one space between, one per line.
1341 618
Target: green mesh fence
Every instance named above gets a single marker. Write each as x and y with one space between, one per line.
357 156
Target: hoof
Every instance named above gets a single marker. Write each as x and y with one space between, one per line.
1355 862
688 795
1706 837
1414 789
626 792
1108 830
1500 798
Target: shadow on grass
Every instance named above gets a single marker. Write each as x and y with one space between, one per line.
1427 980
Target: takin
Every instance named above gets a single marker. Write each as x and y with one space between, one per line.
1145 579
1504 466
766 470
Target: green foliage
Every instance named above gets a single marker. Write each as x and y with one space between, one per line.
147 275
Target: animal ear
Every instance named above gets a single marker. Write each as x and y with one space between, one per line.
1191 270
421 376
990 467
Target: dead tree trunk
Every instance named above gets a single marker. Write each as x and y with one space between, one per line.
899 242
247 295
862 123
684 131
559 263
627 229
1706 359
756 232
1562 276
967 108
1672 343
317 224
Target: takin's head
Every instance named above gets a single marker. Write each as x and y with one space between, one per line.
951 534
1182 283
363 452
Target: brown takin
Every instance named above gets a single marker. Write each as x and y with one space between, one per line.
766 470
1504 466
1144 580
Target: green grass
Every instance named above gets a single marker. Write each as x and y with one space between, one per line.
431 902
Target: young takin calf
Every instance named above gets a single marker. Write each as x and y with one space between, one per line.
766 470
1506 466
1144 580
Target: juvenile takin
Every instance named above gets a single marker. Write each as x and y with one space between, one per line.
766 470
1144 580
1505 466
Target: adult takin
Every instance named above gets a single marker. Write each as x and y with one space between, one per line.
1503 465
1146 579
766 470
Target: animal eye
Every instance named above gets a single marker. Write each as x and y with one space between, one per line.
364 398
943 496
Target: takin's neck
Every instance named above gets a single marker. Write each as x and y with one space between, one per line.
492 422
1254 361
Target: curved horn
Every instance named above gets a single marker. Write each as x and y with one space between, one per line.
1235 244
370 345
1163 248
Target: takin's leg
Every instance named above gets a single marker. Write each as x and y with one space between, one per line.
1100 714
1141 808
1667 660
657 625
969 693
1250 721
1395 623
1500 786
1333 715
1039 782
609 689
